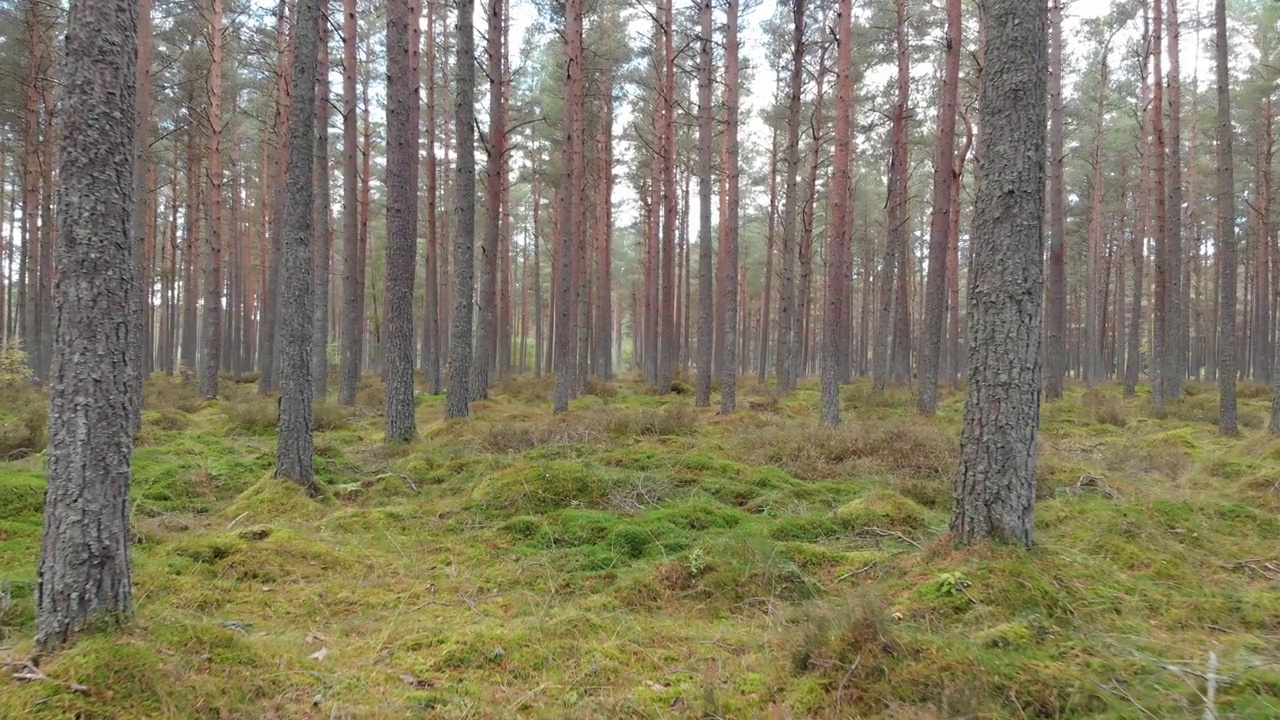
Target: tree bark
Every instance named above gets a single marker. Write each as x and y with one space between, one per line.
323 232
1056 336
402 217
1226 233
84 559
352 288
787 284
1175 372
940 220
212 350
702 396
995 488
294 444
730 286
460 344
838 248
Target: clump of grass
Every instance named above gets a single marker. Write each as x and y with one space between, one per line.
600 388
526 389
673 419
842 639
327 416
1104 408
906 448
371 393
167 420
25 433
518 436
254 414
884 509
167 393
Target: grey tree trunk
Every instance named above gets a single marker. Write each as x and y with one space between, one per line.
486 325
729 369
323 234
402 216
84 557
294 445
705 301
457 401
838 246
1056 338
1226 235
787 286
935 308
352 288
995 488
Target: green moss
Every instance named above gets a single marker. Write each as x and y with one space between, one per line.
270 499
542 487
885 509
23 494
803 528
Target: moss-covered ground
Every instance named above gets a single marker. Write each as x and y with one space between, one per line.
638 558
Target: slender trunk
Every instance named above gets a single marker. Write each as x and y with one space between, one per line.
730 285
702 398
212 350
460 344
323 233
1227 238
787 291
1175 372
940 220
294 447
1056 336
352 288
840 226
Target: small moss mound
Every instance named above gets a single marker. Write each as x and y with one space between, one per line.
884 509
543 487
272 498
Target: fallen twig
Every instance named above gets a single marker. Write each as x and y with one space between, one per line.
1094 483
1117 690
239 517
891 533
851 573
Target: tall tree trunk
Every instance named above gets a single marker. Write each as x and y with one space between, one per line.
84 559
431 264
140 342
212 352
1175 372
402 216
323 253
460 344
486 325
604 256
570 198
269 328
352 287
294 454
706 307
1056 337
1160 319
730 286
838 246
669 343
766 298
1095 308
940 220
1226 236
995 488
787 290
1138 242
900 169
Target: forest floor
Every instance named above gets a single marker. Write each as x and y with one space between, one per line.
638 558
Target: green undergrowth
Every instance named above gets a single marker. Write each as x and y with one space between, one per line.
638 557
